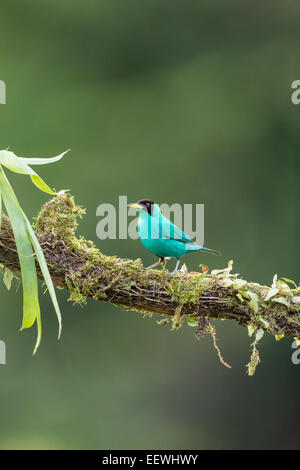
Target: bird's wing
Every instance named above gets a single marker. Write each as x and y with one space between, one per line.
169 230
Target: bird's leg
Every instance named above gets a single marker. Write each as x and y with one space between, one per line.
161 259
175 270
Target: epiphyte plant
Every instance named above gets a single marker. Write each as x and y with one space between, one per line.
26 241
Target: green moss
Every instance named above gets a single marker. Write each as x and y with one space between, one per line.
177 320
254 361
59 216
75 294
188 290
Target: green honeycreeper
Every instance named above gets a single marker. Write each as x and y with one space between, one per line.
160 236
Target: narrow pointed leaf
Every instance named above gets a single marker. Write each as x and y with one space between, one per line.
14 163
39 332
37 180
43 161
290 281
44 268
20 165
31 307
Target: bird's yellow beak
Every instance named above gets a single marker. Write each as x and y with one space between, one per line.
137 206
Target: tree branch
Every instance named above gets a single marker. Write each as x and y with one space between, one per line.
77 265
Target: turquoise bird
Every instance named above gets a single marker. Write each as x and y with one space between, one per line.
160 236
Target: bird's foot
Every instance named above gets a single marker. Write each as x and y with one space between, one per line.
175 270
172 274
153 265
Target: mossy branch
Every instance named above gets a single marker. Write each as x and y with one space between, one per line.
77 265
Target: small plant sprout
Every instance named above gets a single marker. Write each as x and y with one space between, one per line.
26 241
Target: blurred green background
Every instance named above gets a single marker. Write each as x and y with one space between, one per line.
178 101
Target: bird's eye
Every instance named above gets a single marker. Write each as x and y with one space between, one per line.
147 204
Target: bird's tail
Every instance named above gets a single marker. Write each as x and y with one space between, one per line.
194 247
209 250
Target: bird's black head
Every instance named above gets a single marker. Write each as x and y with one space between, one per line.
147 205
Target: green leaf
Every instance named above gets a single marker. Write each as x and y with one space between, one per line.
225 271
25 238
7 277
14 163
297 341
227 282
37 180
274 283
239 283
193 321
240 297
245 295
273 291
43 161
283 286
279 337
259 335
44 268
20 165
0 209
39 332
264 322
253 304
290 281
31 307
251 329
281 300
